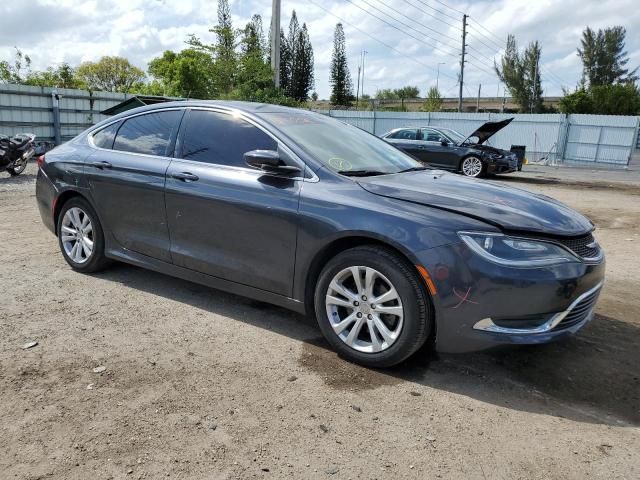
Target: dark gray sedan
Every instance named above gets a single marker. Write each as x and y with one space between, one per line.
297 209
448 149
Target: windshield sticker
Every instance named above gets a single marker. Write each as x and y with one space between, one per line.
340 164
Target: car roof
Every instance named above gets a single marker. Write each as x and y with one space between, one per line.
246 107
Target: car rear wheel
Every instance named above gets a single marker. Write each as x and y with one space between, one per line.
371 306
80 236
471 167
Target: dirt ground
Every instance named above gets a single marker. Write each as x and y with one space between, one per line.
204 384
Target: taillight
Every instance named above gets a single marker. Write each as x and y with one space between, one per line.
40 161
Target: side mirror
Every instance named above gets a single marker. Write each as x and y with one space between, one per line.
444 143
269 161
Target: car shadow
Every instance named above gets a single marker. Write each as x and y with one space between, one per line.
593 377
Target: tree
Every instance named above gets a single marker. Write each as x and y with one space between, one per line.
16 70
113 74
604 58
63 76
521 74
223 51
617 99
188 74
433 103
255 77
296 61
339 77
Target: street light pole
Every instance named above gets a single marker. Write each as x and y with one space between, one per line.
364 54
438 76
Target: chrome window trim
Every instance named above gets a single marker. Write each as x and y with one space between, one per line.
487 325
229 111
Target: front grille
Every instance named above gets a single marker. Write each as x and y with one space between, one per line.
580 311
585 247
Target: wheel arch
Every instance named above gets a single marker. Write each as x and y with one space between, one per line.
339 245
59 202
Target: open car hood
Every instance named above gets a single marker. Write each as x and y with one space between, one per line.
488 130
505 207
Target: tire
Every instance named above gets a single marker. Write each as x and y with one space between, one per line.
17 171
407 328
79 260
469 167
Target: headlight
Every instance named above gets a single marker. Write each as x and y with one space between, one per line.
495 156
516 252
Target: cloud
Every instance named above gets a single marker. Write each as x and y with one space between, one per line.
422 34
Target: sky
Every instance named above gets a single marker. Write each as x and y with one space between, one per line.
418 38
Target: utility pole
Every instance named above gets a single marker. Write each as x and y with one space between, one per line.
478 101
464 46
275 42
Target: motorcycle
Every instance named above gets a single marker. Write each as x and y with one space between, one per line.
16 151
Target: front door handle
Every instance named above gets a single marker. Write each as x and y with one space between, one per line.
101 164
185 176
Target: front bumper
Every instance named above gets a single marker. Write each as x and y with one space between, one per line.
480 305
507 164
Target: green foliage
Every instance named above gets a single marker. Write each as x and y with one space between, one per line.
603 57
187 74
296 61
340 78
619 99
398 93
223 52
16 70
113 74
433 102
520 72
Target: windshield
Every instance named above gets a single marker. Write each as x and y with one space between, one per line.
341 147
457 137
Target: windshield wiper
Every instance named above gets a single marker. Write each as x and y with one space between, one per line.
361 173
415 169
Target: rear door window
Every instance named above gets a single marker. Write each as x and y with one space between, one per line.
404 134
221 138
149 134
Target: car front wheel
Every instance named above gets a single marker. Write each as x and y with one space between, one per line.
471 167
371 306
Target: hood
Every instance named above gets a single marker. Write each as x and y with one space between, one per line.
505 207
488 130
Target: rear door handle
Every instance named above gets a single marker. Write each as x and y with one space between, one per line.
101 164
185 176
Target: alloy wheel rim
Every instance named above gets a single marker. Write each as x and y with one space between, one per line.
364 309
77 235
472 167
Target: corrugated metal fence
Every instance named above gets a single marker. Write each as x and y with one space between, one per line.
588 139
585 139
25 108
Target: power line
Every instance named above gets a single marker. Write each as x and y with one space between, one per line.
415 21
405 33
412 20
438 11
451 8
378 40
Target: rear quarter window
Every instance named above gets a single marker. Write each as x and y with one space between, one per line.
104 138
149 134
